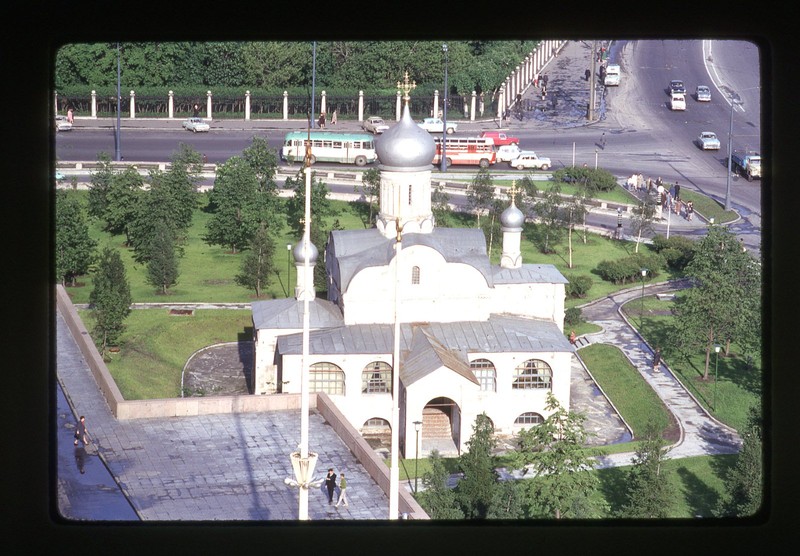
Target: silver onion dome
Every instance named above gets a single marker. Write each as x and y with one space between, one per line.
512 218
405 146
299 253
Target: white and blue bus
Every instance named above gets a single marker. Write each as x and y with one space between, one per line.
330 146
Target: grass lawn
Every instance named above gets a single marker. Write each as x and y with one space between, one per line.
156 345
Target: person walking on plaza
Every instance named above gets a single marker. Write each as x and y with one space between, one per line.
81 433
657 359
689 210
333 118
330 484
342 489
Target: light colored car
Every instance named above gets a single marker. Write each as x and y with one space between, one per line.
60 176
530 160
677 101
708 141
703 93
507 153
436 125
62 124
374 124
196 124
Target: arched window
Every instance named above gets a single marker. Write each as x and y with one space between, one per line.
326 377
533 374
415 275
485 372
529 418
376 378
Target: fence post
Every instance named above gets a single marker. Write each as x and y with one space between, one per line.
208 104
171 105
285 105
435 111
322 107
472 107
360 106
55 101
397 107
133 105
247 105
94 104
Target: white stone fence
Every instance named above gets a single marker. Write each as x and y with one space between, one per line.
515 84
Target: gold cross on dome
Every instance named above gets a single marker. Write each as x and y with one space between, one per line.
513 190
406 87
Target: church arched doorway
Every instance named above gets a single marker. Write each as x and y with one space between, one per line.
441 423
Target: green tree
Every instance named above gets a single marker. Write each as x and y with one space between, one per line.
744 484
563 484
573 213
480 193
74 251
257 265
440 205
642 220
649 495
110 299
720 272
370 189
122 198
548 230
437 497
99 184
264 162
162 261
475 491
234 202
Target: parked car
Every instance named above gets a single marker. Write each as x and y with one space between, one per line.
500 138
196 124
374 124
62 124
436 125
612 76
676 86
507 153
529 159
708 141
703 93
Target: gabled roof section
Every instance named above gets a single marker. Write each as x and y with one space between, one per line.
359 249
528 274
428 355
288 314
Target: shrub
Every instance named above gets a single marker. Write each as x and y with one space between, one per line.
678 251
573 317
595 179
579 286
628 269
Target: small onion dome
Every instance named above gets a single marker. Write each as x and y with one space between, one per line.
512 218
405 146
299 253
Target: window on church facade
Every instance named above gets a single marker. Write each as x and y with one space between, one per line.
529 418
485 372
415 275
376 378
326 377
409 195
533 374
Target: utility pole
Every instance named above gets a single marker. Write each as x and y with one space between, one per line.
592 65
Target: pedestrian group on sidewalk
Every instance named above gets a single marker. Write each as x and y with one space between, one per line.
330 485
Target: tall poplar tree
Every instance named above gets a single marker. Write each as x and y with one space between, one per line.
162 264
74 251
476 490
649 495
257 266
110 299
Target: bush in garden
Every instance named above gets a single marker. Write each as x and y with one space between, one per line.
578 286
572 317
594 178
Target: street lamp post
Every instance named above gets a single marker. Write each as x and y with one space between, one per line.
118 145
288 269
417 427
443 162
716 365
728 181
641 315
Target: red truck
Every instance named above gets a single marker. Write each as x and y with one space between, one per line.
500 138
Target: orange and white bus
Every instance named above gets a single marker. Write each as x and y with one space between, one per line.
477 151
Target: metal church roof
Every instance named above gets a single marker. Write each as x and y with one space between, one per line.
288 314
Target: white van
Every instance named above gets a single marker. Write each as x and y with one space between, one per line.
612 75
678 101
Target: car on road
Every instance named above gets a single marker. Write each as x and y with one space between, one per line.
62 124
375 125
59 176
436 125
507 153
677 101
196 124
702 93
500 138
529 160
676 86
708 141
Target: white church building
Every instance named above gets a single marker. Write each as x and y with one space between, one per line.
474 337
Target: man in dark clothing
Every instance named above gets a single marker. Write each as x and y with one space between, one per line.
330 484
